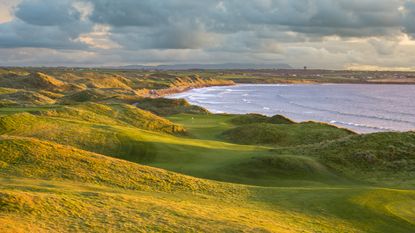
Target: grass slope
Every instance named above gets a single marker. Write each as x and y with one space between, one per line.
121 114
258 118
166 107
380 158
284 134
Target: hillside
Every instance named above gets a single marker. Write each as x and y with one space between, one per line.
258 118
32 158
284 134
380 157
121 114
166 107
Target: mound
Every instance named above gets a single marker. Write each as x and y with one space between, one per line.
283 170
165 107
31 158
13 71
258 118
279 119
7 91
103 80
113 130
27 98
51 95
251 118
283 134
34 81
101 95
103 139
87 96
45 82
116 114
12 122
372 156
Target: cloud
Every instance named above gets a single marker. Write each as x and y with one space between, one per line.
6 10
337 32
384 47
47 12
17 34
408 12
45 24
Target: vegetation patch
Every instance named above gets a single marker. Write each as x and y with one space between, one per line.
166 107
14 202
121 114
34 158
283 134
258 118
374 157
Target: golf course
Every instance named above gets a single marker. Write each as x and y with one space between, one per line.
78 154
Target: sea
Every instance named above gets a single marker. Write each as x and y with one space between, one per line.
363 108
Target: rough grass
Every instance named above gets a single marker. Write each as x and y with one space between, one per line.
121 114
258 118
7 90
97 138
166 107
22 97
283 134
32 81
32 158
379 158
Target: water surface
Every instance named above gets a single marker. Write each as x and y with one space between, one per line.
362 108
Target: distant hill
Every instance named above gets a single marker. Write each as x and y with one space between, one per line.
224 66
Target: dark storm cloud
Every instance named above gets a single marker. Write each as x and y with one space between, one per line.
44 24
326 17
47 12
409 17
17 34
130 12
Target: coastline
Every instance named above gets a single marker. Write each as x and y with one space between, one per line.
344 120
161 93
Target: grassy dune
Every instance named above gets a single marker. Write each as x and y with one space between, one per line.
284 134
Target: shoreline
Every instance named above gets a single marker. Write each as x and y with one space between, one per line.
182 90
161 93
353 126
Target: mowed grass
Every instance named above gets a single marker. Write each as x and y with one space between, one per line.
95 183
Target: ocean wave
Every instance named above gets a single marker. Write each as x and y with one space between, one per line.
352 114
362 125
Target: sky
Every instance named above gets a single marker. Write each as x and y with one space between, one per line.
329 34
